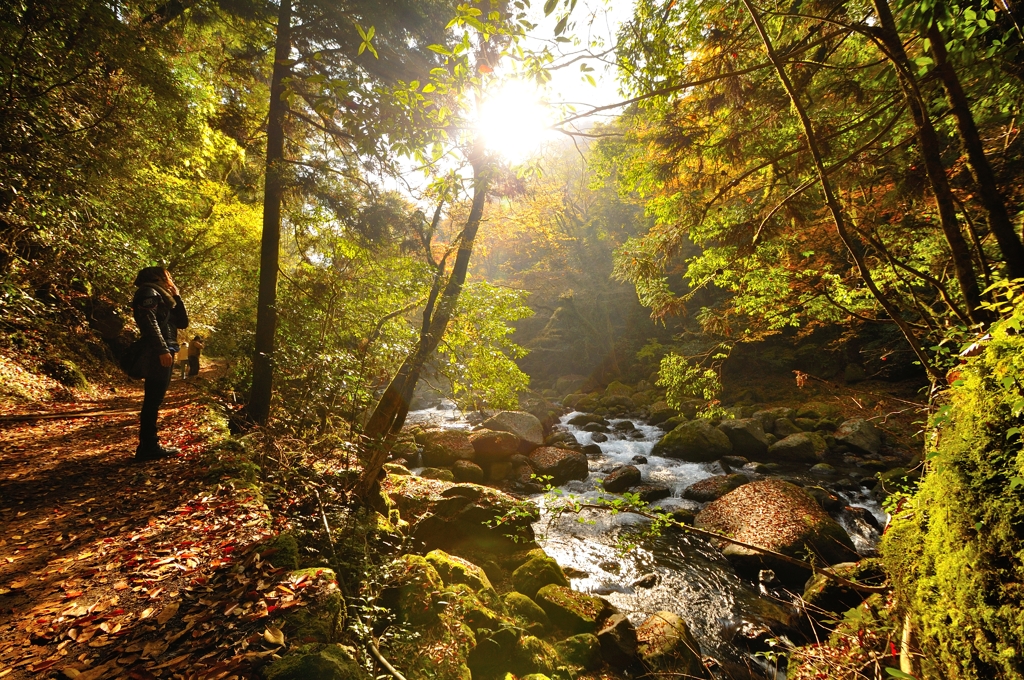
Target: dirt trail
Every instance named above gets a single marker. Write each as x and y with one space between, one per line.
112 568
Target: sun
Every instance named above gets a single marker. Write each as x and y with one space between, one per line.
514 122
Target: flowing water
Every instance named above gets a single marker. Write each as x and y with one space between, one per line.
602 555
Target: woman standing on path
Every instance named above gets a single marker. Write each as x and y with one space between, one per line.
159 313
195 349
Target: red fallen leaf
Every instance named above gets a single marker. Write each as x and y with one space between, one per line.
72 594
42 666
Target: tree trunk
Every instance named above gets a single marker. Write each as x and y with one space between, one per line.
984 179
390 413
928 144
258 409
852 244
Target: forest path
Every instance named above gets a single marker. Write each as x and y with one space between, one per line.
112 568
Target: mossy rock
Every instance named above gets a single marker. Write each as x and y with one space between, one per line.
442 650
317 623
441 474
418 597
696 441
493 653
570 610
453 569
667 647
537 572
316 662
582 651
472 610
522 607
396 469
825 596
534 655
65 372
282 551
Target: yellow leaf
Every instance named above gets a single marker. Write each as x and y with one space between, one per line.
273 635
167 614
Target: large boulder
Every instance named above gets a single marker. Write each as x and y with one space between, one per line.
649 493
581 651
524 425
668 649
317 662
490 445
417 600
617 389
467 471
622 478
562 465
780 517
712 488
537 572
860 435
570 610
445 516
441 448
618 641
522 607
770 415
747 436
453 569
697 441
802 447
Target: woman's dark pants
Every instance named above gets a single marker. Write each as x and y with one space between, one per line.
193 366
155 388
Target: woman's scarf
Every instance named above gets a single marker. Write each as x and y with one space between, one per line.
164 293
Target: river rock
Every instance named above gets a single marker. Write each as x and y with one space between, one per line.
828 501
747 437
396 468
667 647
707 490
649 493
592 450
659 412
467 471
524 425
562 438
595 427
584 419
618 389
537 572
570 610
599 438
581 651
802 447
823 469
770 415
624 426
447 516
326 662
519 605
562 465
490 445
781 517
806 424
824 595
784 427
615 401
860 435
441 474
618 641
453 569
499 471
441 448
621 478
697 441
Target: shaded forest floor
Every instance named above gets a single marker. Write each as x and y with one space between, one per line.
112 568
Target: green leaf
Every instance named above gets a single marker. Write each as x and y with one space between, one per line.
549 6
560 26
1016 481
429 87
897 673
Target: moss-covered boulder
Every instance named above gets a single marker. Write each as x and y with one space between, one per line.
442 474
747 436
696 441
582 651
668 649
316 662
531 616
467 471
396 469
417 599
802 447
492 445
492 655
781 517
453 569
537 572
570 610
534 655
283 551
441 448
65 372
824 596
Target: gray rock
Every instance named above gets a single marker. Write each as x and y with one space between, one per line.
624 426
734 461
806 424
561 465
620 479
467 471
747 437
587 418
823 469
649 493
523 425
770 415
667 647
785 427
696 441
859 435
618 641
757 468
639 460
561 438
598 437
803 447
707 490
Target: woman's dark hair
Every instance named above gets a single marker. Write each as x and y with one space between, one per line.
150 275
198 337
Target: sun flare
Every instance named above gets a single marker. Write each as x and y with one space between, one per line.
514 121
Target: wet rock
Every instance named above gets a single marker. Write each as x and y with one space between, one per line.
624 426
803 447
695 441
537 572
639 460
707 490
667 647
396 469
437 473
781 517
785 427
595 427
863 516
584 419
757 468
570 610
618 641
734 461
806 424
317 662
828 501
649 493
747 437
646 581
621 478
581 651
467 471
520 606
526 426
859 435
872 466
827 425
441 448
490 445
660 412
823 469
599 438
562 465
592 450
563 439
683 516
825 596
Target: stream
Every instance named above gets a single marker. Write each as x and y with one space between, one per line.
675 571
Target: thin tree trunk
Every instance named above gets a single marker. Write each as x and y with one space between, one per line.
258 409
390 413
984 179
928 144
852 243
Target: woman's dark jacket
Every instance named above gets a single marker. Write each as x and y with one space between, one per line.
157 321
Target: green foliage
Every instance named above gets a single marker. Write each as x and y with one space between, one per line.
682 378
954 551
